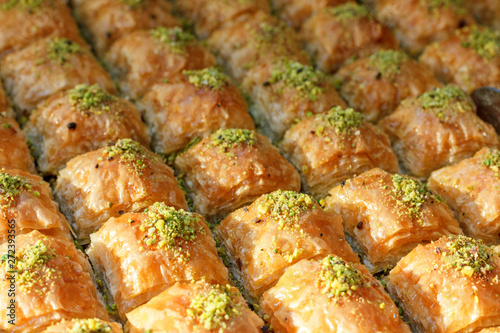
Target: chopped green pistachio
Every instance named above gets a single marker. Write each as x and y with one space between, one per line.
444 101
228 138
24 4
411 194
61 49
285 207
134 3
305 79
90 99
339 278
267 33
388 62
213 308
130 152
170 229
467 255
94 325
433 5
484 41
175 38
7 125
10 187
342 121
211 78
492 161
349 11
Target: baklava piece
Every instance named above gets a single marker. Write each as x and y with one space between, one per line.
285 91
336 35
417 23
279 229
210 15
89 325
231 168
24 22
385 216
193 104
51 281
377 84
261 38
143 58
106 21
26 204
470 58
334 146
78 121
472 189
123 177
451 285
437 129
47 67
139 255
486 12
296 12
14 151
331 295
199 307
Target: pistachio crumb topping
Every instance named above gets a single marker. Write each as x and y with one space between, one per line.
349 11
484 41
134 3
176 39
130 152
305 79
446 100
94 325
211 78
388 62
213 308
433 5
10 187
411 194
341 120
170 229
228 138
492 160
61 49
90 99
32 267
467 255
339 278
24 4
285 207
266 32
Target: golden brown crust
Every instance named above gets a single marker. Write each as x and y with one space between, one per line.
382 228
60 288
353 38
262 251
21 27
424 142
277 105
325 157
31 209
472 190
417 23
109 20
452 62
298 303
376 95
65 326
168 312
441 299
486 12
59 131
30 76
296 12
260 38
14 152
135 272
94 187
178 111
127 59
220 181
5 107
